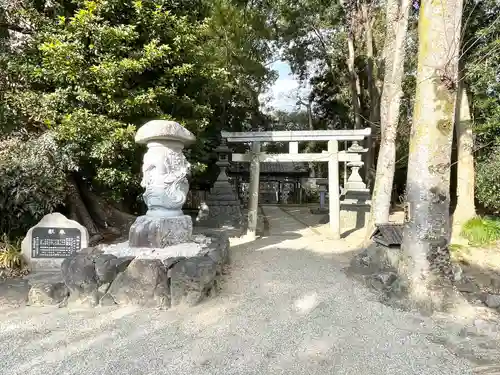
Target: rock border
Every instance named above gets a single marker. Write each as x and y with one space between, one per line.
95 278
377 268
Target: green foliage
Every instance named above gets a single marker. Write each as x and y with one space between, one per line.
482 62
455 248
32 181
480 231
90 72
488 181
10 253
107 152
315 46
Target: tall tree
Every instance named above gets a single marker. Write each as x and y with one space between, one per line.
465 208
353 25
427 228
397 13
482 63
89 72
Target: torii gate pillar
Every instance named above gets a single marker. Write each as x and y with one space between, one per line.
334 189
253 201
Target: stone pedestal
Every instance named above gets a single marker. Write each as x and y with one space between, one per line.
354 216
150 231
355 208
355 182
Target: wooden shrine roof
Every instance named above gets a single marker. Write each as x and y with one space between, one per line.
291 168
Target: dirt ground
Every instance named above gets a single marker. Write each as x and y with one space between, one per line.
286 308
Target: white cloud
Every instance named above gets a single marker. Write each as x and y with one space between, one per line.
283 94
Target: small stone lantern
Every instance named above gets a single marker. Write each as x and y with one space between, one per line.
223 203
356 190
223 158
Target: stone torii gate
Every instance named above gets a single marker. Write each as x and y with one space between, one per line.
332 156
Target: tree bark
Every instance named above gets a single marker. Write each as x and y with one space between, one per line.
374 96
427 228
311 145
465 208
397 12
353 82
106 215
78 208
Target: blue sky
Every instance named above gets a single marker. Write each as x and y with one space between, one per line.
284 87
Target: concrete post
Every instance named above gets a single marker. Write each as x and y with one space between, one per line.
333 183
293 147
253 201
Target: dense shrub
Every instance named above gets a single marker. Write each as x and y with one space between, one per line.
10 253
488 181
480 231
32 181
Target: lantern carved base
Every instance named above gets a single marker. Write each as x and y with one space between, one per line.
160 232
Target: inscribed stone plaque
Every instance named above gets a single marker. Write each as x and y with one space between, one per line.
52 240
55 242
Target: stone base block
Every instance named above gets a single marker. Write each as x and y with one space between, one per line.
223 214
159 232
353 216
160 278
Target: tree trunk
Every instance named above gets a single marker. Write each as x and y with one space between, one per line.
427 228
353 81
465 208
311 145
397 12
106 215
78 208
374 97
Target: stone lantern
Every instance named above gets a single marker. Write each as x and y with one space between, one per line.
223 203
356 190
165 184
222 158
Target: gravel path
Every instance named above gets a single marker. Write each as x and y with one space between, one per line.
286 308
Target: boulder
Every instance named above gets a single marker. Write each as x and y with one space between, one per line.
218 250
376 258
192 279
108 266
86 272
79 275
144 282
493 301
44 293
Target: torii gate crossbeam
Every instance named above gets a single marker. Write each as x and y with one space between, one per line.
332 156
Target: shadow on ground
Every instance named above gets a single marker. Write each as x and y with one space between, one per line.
286 307
468 328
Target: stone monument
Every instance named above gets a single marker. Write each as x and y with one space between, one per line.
223 202
53 239
165 171
164 263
